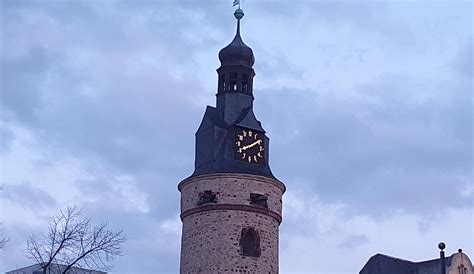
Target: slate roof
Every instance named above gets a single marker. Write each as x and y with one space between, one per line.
247 119
237 52
216 150
214 145
383 264
432 266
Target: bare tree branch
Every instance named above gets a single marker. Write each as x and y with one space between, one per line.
63 229
73 241
3 239
98 245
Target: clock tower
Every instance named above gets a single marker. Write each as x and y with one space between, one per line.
231 205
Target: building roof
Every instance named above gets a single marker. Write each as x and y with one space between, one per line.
383 264
214 145
53 269
237 52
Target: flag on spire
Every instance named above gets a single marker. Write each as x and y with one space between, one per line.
236 2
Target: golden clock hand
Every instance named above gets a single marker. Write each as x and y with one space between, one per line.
252 145
256 143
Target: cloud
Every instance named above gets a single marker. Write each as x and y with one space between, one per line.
353 241
316 230
367 104
378 146
20 78
28 196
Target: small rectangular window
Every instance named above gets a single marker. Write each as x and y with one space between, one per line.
221 82
245 83
258 200
233 81
207 197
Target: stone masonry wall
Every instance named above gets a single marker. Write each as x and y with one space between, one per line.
211 238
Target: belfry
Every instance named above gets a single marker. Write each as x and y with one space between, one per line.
231 206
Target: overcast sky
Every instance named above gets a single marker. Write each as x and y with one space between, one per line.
368 106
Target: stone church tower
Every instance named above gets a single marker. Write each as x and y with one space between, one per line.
231 204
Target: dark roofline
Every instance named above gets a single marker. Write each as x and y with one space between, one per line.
407 261
56 264
380 261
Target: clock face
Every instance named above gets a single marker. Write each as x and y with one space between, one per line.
250 146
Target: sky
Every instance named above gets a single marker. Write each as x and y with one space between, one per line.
368 106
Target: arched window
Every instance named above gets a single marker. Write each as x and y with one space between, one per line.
250 242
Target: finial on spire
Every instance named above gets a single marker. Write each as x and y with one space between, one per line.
239 13
237 53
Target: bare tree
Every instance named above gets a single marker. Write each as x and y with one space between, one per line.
3 239
3 242
72 240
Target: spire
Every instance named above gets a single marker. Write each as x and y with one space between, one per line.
237 53
238 14
235 82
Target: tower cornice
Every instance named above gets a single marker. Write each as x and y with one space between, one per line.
259 178
236 207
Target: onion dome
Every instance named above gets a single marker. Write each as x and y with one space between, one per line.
237 52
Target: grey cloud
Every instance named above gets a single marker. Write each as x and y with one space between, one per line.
387 157
28 196
156 248
462 63
354 241
125 88
133 110
159 192
20 80
6 137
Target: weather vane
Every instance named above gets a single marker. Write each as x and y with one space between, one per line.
236 2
